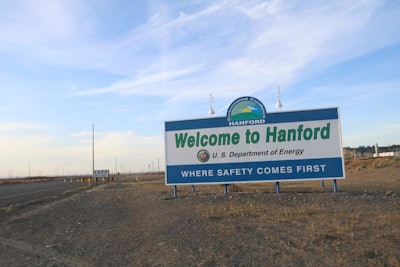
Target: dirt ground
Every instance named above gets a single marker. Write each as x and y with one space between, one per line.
135 221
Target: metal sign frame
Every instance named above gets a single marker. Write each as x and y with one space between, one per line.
282 146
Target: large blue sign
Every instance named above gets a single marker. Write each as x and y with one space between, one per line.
250 145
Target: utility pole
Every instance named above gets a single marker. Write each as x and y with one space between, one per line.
92 154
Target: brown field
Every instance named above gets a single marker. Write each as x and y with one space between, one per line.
135 221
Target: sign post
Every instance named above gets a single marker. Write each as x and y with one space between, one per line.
251 145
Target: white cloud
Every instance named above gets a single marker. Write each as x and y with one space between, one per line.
277 47
386 134
48 154
28 24
20 126
136 86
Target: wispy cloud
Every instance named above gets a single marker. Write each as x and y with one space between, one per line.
135 86
265 48
52 23
269 42
346 95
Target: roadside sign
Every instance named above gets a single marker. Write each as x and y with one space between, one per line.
101 173
251 145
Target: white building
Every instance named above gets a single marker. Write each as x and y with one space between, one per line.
385 154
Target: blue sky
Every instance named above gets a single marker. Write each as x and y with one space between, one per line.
128 66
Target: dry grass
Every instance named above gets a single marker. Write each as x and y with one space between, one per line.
9 208
321 227
360 222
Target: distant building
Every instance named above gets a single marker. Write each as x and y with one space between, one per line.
385 154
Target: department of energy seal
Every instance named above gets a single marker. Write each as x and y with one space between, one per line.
203 155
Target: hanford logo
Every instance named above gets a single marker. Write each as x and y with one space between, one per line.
246 110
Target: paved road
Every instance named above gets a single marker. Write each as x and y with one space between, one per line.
14 193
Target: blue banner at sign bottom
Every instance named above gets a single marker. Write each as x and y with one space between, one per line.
265 171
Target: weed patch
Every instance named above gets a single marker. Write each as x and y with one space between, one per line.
9 208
